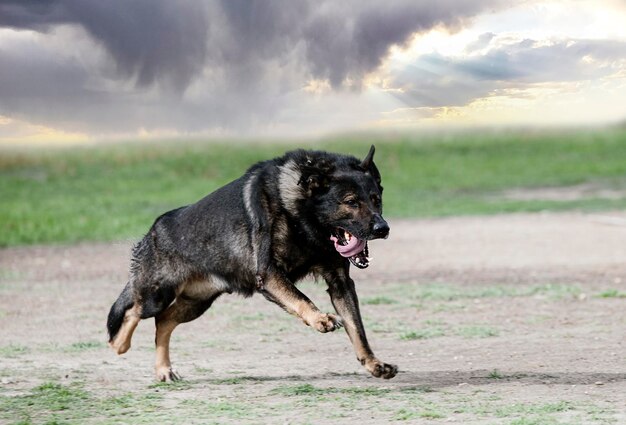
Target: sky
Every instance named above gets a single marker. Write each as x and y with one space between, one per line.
90 70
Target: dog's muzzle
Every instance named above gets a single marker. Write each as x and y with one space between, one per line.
380 228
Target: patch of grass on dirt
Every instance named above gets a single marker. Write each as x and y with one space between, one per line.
601 415
237 380
42 401
110 192
612 293
553 291
7 274
171 386
299 389
431 414
553 412
54 403
424 333
494 374
477 331
531 413
452 292
406 414
437 329
203 370
13 350
296 402
380 300
535 420
534 408
219 409
84 346
310 390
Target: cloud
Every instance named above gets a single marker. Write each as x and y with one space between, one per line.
350 39
149 40
434 80
118 66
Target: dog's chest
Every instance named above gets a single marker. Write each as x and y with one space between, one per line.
292 247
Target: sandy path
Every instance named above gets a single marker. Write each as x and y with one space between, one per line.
521 322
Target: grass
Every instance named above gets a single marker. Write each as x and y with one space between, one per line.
237 380
48 397
477 332
295 402
13 350
494 374
110 192
310 390
454 292
56 403
220 409
424 333
612 293
84 346
429 331
406 414
533 408
379 300
171 386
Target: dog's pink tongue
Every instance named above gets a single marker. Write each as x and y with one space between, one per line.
353 247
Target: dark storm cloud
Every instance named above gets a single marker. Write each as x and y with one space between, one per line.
154 38
200 64
349 39
434 80
149 40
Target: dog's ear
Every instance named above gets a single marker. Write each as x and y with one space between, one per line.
369 159
368 166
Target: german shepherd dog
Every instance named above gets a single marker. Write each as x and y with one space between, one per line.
307 212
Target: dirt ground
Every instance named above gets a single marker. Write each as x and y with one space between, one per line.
515 319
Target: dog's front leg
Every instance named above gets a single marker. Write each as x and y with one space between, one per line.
278 289
346 303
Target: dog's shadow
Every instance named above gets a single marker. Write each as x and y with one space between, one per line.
433 380
443 379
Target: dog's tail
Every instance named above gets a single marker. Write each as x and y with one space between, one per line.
118 310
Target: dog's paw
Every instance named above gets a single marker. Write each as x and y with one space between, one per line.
167 374
380 369
120 347
326 322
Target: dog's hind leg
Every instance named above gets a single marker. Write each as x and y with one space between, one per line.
183 309
123 318
139 300
121 341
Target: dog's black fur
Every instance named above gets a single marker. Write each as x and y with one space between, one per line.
260 233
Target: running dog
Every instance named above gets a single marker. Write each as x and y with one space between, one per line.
305 213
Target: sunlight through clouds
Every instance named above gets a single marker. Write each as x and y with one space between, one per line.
14 131
570 73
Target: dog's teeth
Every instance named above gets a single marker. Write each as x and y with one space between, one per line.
347 236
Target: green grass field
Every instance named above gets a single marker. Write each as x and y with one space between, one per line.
110 192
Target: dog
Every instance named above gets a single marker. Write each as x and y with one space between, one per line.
305 213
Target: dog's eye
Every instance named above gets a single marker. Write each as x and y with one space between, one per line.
351 203
376 200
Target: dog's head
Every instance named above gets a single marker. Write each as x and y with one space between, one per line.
343 197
